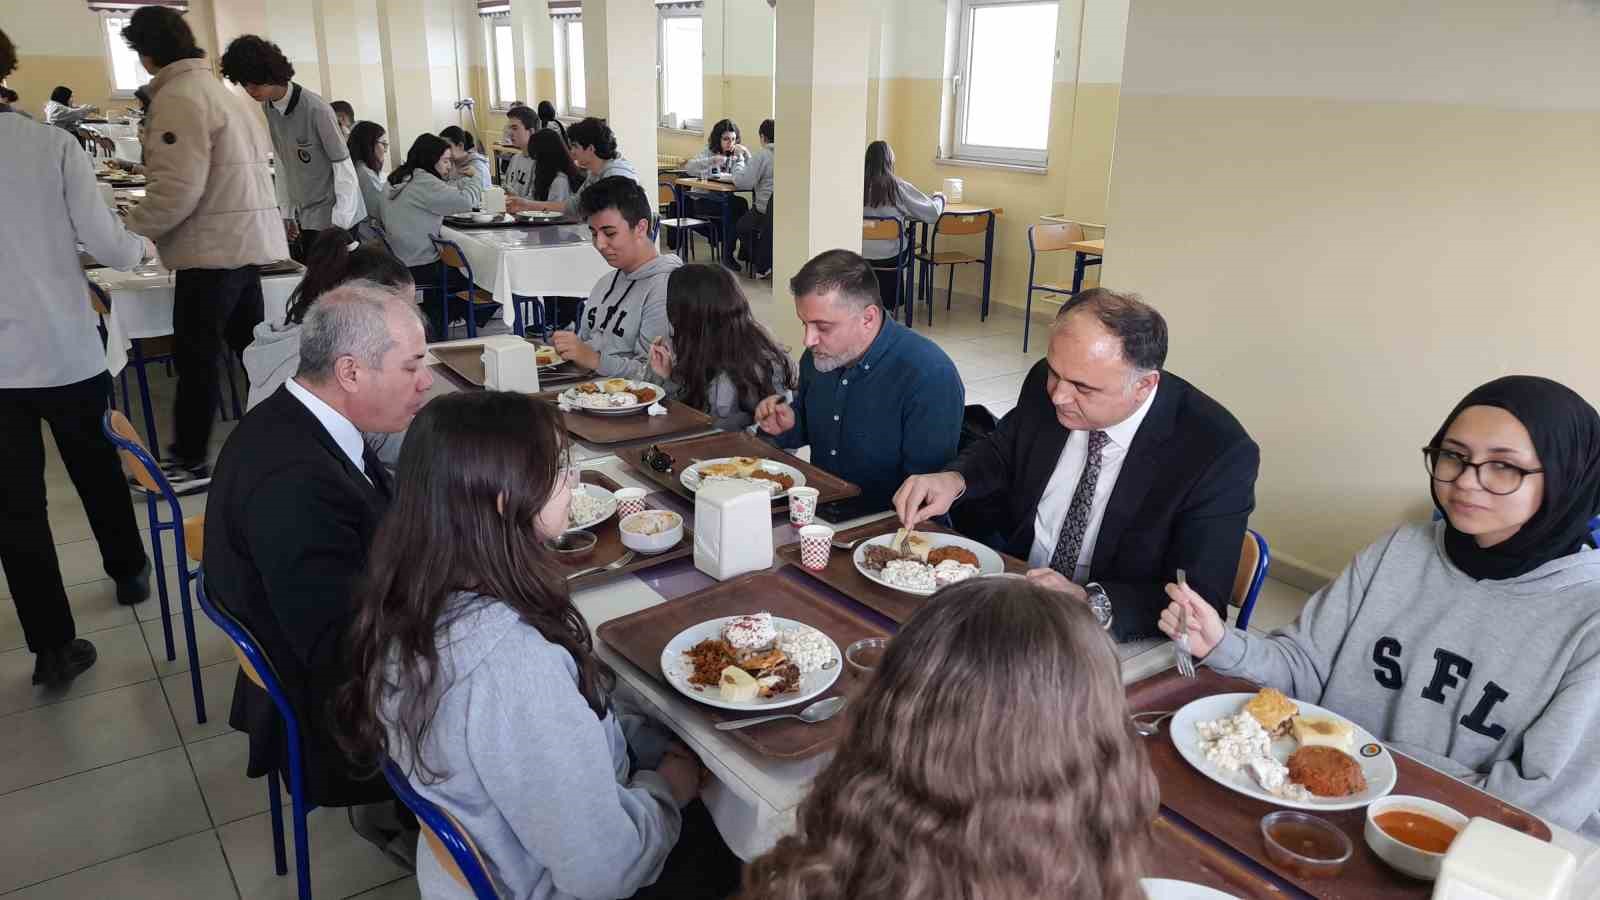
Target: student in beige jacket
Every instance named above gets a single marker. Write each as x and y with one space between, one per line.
212 212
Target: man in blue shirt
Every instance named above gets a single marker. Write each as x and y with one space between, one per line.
877 402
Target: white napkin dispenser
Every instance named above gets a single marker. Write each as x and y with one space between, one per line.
732 529
1488 861
493 201
510 364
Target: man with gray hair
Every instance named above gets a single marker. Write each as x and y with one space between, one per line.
294 504
1110 470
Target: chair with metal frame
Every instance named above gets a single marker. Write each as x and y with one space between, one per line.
450 843
889 228
1254 559
683 227
475 298
1051 238
138 464
950 225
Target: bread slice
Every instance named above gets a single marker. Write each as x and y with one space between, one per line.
912 545
1272 710
719 470
745 464
1324 733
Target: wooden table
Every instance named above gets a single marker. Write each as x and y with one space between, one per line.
1081 251
711 187
500 150
958 209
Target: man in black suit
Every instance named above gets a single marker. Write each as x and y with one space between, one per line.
294 503
1113 471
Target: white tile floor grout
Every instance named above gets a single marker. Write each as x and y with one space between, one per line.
112 810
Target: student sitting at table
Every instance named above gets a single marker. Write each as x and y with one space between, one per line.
556 177
1473 643
627 310
988 756
755 229
877 402
60 112
594 149
723 153
369 148
548 120
886 195
477 674
719 359
422 191
464 155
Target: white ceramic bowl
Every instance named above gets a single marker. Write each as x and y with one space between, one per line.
1404 857
651 543
485 217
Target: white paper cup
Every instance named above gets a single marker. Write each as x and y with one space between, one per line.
629 501
802 505
816 543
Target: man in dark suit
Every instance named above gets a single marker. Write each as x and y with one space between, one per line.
1114 471
296 498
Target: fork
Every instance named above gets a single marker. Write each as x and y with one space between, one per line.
1180 643
842 545
620 561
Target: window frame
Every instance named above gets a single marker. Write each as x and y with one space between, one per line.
961 77
109 48
662 15
492 53
559 28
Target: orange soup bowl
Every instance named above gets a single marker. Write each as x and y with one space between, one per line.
1412 834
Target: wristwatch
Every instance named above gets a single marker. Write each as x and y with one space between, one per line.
1099 603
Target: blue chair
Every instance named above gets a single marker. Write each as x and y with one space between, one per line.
1254 559
254 664
1048 239
138 464
888 228
475 298
451 846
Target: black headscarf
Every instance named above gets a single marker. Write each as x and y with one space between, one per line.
1566 435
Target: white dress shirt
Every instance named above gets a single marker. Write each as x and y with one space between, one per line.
342 430
1057 497
347 207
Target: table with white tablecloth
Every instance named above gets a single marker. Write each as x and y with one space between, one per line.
126 137
533 261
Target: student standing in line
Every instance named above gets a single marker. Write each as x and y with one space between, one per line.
316 182
547 118
521 125
345 115
369 147
209 207
464 155
422 191
755 229
892 197
594 149
723 154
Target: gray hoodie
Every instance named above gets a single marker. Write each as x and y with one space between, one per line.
542 786
1493 682
415 210
909 204
626 312
618 166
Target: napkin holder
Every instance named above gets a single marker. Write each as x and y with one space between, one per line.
510 364
1488 861
732 528
493 201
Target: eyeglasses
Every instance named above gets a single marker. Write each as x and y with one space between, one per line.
1496 477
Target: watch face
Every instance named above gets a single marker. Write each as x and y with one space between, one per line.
1099 603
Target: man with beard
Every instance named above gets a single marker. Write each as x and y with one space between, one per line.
877 402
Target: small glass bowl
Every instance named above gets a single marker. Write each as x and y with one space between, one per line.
1323 861
573 546
864 655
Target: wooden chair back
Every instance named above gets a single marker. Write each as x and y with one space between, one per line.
194 537
952 224
131 465
1055 236
1249 557
665 196
451 255
446 861
880 229
98 300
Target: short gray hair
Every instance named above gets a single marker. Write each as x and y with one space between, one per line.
844 271
350 320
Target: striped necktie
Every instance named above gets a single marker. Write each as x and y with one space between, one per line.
1073 528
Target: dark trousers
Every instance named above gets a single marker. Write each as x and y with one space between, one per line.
755 232
890 286
427 280
211 309
700 866
27 549
710 209
301 248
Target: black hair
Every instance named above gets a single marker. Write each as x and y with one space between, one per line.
767 130
529 120
455 134
551 160
343 108
879 187
7 94
547 114
143 96
723 126
363 143
844 271
593 132
250 59
62 94
161 34
330 263
8 56
622 194
1137 324
423 157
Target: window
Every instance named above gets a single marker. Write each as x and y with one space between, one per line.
569 66
680 84
1005 67
502 61
127 73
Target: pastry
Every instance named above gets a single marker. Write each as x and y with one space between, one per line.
614 385
747 465
1273 710
719 470
750 634
1324 733
912 545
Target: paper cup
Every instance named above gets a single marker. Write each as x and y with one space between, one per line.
802 505
816 542
629 501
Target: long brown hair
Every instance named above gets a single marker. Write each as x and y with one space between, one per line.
714 333
989 759
475 471
879 187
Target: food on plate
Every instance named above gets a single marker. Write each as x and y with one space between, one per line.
546 356
748 469
658 459
752 633
655 521
806 648
1232 741
1273 710
950 572
1326 772
587 508
1324 733
909 574
1273 776
707 659
953 553
746 465
879 555
737 685
645 394
588 387
911 562
784 482
719 470
912 545
772 659
1414 829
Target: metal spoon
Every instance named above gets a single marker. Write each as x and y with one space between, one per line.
820 711
1152 727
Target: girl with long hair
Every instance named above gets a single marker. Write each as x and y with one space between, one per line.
1471 643
477 675
594 150
724 153
465 155
888 196
368 144
548 120
555 176
719 359
422 191
990 756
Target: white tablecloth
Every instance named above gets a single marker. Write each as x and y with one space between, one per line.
114 130
541 261
141 305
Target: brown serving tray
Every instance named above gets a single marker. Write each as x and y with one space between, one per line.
1235 819
842 575
735 443
1181 855
466 362
637 427
470 225
608 546
641 637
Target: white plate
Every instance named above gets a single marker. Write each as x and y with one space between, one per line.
1376 762
536 215
595 490
677 669
690 477
540 348
989 562
1168 889
571 395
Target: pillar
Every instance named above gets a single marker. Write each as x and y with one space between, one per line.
420 66
619 68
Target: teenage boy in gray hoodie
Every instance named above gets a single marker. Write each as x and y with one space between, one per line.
627 310
594 149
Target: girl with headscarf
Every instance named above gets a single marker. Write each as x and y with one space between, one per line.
1473 643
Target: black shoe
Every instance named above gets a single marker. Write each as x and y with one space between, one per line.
135 588
186 478
58 667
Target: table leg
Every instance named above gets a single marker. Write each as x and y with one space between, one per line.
988 265
727 228
1077 271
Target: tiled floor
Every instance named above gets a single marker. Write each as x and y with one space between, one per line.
119 792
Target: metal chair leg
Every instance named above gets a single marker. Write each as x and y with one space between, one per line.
156 530
144 401
184 578
275 804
